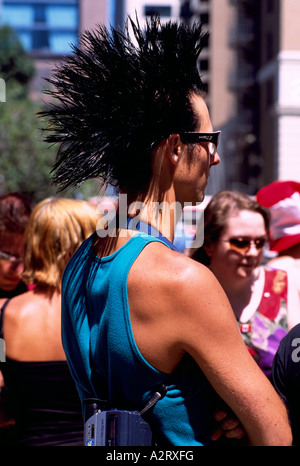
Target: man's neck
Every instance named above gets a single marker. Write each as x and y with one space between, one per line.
161 214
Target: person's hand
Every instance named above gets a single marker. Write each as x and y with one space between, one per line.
227 425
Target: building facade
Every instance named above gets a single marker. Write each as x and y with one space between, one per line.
120 9
279 81
265 82
47 28
250 67
253 77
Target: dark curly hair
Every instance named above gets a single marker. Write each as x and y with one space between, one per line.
15 210
116 95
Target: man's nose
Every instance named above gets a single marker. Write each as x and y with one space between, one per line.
215 159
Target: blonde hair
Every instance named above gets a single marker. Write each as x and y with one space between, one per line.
55 230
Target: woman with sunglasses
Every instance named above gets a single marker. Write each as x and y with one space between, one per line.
236 229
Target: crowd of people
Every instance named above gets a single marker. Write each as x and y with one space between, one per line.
117 312
36 244
40 404
264 300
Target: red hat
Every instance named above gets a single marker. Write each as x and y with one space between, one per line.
283 200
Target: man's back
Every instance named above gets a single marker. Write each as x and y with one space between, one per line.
123 376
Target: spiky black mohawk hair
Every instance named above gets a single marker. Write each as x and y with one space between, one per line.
116 95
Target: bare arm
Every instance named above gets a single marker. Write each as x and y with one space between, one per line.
210 334
181 307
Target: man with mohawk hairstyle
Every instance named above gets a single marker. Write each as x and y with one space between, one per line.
138 314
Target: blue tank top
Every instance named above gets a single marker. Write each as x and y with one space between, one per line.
105 360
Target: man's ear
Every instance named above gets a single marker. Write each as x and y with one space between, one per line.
174 156
174 147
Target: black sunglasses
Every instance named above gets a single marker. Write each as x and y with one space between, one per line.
195 138
190 137
243 244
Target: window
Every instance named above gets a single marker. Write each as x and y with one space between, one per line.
163 11
43 26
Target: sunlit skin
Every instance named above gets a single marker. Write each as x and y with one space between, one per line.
32 322
10 273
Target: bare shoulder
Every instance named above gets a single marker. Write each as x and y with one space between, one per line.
167 295
32 328
157 260
173 276
17 309
24 312
176 306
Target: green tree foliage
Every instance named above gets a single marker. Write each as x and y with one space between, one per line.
25 159
14 63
